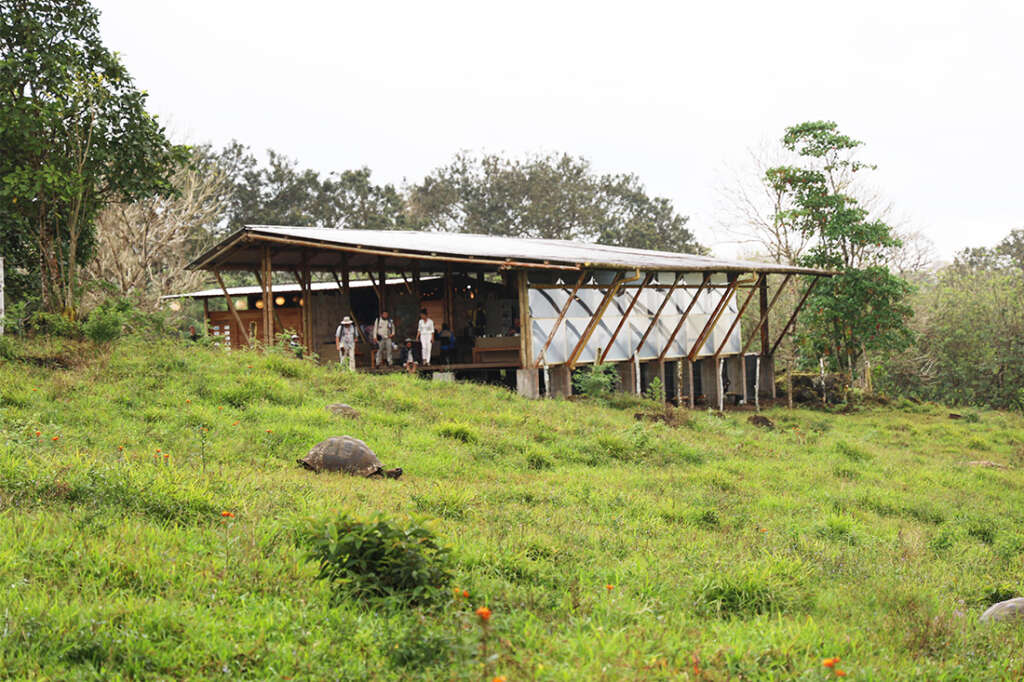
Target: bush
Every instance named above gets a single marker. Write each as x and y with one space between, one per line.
655 391
8 351
376 559
52 324
457 432
595 381
104 324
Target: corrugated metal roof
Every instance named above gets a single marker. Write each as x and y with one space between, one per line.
517 252
284 288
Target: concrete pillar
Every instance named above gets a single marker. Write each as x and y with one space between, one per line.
528 383
448 377
627 376
768 376
709 381
561 381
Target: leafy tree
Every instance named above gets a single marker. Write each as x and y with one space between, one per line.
281 193
862 308
74 136
547 197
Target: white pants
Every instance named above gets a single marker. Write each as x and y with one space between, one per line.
426 341
347 354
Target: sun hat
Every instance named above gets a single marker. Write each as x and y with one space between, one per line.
346 320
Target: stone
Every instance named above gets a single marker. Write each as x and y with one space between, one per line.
343 410
1010 609
762 421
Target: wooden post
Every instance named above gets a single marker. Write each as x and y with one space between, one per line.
307 305
206 317
268 301
231 307
689 381
383 285
762 306
449 299
762 323
525 337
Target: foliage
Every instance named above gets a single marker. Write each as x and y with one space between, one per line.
105 322
596 380
970 331
863 307
75 135
551 197
143 247
54 324
280 193
378 559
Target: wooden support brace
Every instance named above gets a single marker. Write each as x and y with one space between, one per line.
713 320
625 316
739 315
561 315
686 314
792 318
657 314
766 308
595 319
231 307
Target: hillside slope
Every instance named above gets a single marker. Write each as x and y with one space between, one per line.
605 547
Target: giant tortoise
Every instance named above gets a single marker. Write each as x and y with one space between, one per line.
346 454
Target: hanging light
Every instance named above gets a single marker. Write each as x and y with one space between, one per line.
259 304
279 301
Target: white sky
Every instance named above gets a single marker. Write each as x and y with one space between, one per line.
671 91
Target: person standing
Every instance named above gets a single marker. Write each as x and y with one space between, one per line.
345 340
384 332
447 344
425 331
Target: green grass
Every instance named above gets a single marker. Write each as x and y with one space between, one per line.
864 536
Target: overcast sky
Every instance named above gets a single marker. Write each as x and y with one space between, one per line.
674 92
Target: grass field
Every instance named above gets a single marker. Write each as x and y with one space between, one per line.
606 548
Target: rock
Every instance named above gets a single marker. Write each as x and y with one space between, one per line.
343 410
762 421
987 464
1005 610
954 415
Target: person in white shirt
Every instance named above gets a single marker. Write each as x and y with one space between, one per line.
384 331
345 340
425 331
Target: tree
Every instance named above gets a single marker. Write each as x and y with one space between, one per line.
75 135
281 193
142 248
547 197
863 307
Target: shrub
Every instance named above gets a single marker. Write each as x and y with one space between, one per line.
378 560
8 351
53 324
596 380
104 324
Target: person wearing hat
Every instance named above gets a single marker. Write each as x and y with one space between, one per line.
345 340
409 356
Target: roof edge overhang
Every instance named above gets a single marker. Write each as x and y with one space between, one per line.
252 234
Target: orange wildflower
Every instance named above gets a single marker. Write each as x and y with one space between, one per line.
269 431
830 662
120 448
235 424
484 613
158 450
609 587
38 433
55 438
188 400
499 678
465 593
840 673
227 515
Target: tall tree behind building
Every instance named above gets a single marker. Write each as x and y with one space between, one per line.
553 196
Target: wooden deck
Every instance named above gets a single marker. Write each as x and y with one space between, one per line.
457 367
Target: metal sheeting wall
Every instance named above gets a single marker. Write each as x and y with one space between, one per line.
546 303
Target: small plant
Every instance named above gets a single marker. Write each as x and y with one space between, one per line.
655 391
378 559
596 380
